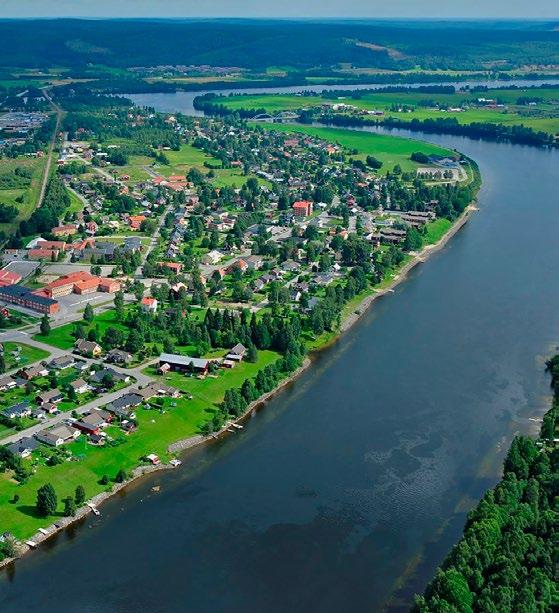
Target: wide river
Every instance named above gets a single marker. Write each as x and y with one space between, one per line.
347 490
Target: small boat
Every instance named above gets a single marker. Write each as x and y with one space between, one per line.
93 508
174 462
238 426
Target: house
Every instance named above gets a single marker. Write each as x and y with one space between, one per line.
49 407
88 348
91 424
109 286
7 383
116 376
237 265
80 386
123 406
182 363
42 254
302 208
135 221
31 372
63 362
117 356
58 435
172 266
18 411
254 262
149 304
24 447
53 396
212 257
157 388
237 353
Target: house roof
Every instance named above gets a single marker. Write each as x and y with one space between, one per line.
182 360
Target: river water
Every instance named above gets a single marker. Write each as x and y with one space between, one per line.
349 488
183 101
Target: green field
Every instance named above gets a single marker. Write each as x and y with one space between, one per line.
390 150
180 162
435 230
29 195
157 430
62 338
544 116
26 353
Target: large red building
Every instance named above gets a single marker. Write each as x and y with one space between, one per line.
302 208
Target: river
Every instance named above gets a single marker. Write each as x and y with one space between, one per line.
183 101
349 488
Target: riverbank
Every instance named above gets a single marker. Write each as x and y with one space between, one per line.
198 440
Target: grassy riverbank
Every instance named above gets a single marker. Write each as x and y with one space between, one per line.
390 150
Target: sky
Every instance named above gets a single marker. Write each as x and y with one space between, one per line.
533 9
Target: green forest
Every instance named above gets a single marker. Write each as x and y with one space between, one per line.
298 45
507 557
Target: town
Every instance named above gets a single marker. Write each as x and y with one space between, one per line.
180 268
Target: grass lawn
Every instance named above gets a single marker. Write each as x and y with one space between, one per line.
390 150
157 429
436 230
19 354
76 205
62 337
180 162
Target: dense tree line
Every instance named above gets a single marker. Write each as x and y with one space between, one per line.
449 125
45 218
507 558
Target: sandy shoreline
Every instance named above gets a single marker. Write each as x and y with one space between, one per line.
195 441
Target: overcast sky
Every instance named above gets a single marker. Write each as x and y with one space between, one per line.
534 9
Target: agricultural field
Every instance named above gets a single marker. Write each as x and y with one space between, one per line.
390 150
544 115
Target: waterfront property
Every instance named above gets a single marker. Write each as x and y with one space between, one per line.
182 363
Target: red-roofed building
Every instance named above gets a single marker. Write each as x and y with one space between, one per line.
86 287
65 230
149 304
302 208
9 278
58 245
42 254
110 286
176 179
174 266
135 221
91 227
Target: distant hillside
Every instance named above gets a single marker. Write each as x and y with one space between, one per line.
258 44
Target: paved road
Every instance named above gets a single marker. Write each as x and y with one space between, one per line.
23 337
153 241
